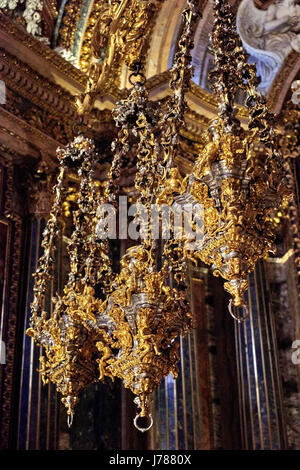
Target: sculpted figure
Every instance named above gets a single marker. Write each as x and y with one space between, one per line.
283 17
132 269
277 27
270 35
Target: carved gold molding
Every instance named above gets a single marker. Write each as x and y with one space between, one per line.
52 5
43 102
34 134
89 32
7 26
275 95
128 14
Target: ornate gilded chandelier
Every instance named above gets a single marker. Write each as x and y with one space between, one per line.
70 334
239 175
131 332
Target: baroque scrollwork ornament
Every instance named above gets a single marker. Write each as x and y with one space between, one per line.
239 176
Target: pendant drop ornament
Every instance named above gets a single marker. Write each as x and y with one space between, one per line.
143 429
70 419
233 312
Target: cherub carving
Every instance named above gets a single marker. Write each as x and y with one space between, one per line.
173 186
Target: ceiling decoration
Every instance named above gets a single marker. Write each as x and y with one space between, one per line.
269 35
119 36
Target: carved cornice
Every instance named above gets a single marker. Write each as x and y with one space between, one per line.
42 50
26 135
47 107
158 80
7 153
195 124
11 133
35 87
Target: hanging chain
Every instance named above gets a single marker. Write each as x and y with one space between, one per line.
173 121
180 83
44 272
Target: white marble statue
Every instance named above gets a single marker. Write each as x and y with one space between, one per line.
11 4
270 35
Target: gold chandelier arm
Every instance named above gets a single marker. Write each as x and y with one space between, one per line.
226 77
147 180
120 147
84 250
70 332
233 72
172 121
78 249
